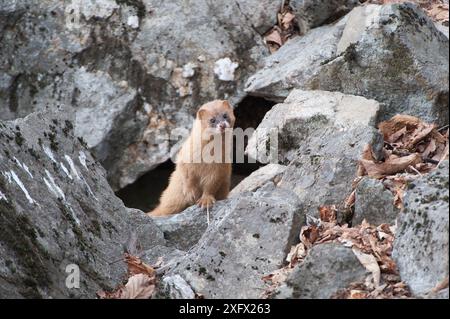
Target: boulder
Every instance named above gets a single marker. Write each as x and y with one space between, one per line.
421 240
326 269
184 230
132 70
257 179
374 203
57 212
321 135
310 14
238 248
391 53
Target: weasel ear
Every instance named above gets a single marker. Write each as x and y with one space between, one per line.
201 113
226 104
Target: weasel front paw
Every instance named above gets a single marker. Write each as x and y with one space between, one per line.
206 201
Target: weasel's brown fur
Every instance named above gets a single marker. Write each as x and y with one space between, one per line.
199 181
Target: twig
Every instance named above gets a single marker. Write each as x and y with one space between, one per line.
415 170
442 128
425 159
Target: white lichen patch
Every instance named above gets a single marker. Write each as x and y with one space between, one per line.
89 189
72 166
23 166
95 8
3 197
66 171
82 159
22 187
224 69
52 186
189 70
74 216
8 177
133 22
49 154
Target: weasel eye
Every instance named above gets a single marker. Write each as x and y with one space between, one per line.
212 120
225 116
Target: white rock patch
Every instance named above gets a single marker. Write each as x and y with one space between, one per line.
54 188
224 69
49 153
189 70
82 159
133 22
73 169
66 171
22 187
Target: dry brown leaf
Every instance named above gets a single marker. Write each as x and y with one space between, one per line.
370 263
139 286
391 166
431 148
287 20
358 294
308 235
274 37
441 285
395 136
396 123
328 213
418 135
136 266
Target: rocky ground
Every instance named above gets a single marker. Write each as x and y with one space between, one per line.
356 205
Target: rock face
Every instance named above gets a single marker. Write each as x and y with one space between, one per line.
314 13
132 70
421 245
268 173
184 230
326 269
374 203
371 51
321 135
238 248
57 210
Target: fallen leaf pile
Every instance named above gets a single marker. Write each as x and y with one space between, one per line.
411 148
435 9
372 245
141 281
283 31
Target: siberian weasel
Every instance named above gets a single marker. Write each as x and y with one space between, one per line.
196 179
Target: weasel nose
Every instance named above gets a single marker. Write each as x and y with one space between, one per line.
222 126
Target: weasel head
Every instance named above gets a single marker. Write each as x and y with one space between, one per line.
217 116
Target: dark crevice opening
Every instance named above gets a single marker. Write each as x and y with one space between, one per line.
144 194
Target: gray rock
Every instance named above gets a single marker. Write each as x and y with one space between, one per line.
421 241
57 209
238 248
326 269
321 136
374 203
175 287
132 70
257 179
442 28
182 231
314 13
169 256
378 52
